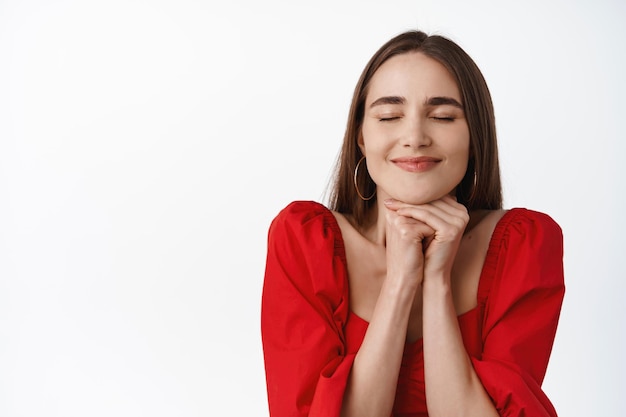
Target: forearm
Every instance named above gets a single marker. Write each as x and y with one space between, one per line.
374 377
452 386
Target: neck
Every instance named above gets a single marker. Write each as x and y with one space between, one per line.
374 228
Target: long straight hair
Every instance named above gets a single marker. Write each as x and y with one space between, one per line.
480 188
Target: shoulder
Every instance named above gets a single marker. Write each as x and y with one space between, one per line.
306 224
299 215
516 220
527 246
529 226
305 250
300 211
523 269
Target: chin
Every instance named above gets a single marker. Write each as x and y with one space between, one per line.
422 198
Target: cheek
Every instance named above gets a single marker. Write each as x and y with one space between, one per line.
370 142
379 134
463 160
374 160
460 157
463 146
464 153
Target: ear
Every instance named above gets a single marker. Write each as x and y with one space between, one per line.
361 143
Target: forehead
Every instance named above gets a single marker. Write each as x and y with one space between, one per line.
414 76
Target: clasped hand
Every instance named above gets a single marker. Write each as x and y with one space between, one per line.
423 239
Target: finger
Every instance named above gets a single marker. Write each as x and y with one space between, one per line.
446 204
444 223
392 204
407 227
450 207
446 209
429 215
396 204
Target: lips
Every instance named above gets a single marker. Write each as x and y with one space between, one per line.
416 164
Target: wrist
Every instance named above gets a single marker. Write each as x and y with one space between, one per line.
402 284
438 282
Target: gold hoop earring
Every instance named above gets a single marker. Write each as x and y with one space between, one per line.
473 193
356 186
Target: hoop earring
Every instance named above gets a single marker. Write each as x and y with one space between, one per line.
356 186
473 193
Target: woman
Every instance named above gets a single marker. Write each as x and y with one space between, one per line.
417 294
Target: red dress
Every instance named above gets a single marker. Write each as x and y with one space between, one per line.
310 336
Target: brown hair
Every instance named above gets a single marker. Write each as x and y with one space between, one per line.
480 188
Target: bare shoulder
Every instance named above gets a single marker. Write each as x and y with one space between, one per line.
342 220
482 224
470 258
348 228
475 241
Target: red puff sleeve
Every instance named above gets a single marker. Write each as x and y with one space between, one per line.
521 307
303 311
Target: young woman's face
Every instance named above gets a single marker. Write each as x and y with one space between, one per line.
415 135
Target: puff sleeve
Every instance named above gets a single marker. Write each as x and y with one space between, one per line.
521 308
303 311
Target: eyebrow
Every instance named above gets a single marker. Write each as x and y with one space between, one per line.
433 101
388 100
441 101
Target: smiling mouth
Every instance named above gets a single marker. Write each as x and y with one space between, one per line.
417 164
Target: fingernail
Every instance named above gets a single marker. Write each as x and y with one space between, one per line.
389 201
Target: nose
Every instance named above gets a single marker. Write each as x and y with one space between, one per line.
415 135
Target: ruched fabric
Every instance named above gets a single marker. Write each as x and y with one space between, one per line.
310 336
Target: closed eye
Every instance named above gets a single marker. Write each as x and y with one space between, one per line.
444 119
388 119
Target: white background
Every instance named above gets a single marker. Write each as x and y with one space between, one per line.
145 147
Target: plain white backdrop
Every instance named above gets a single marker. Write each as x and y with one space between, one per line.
145 147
